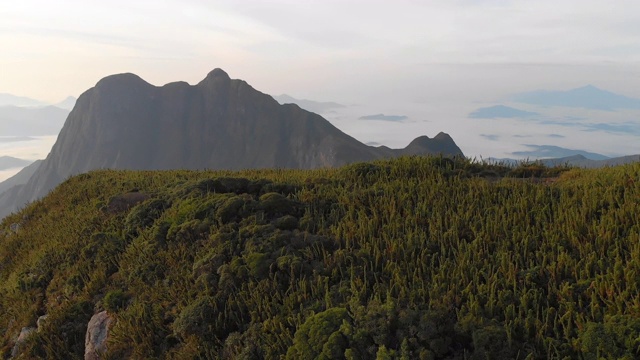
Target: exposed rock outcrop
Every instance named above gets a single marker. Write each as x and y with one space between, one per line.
14 227
95 342
41 321
24 335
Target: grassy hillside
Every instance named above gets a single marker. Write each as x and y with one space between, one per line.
415 258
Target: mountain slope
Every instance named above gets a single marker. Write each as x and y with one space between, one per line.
220 123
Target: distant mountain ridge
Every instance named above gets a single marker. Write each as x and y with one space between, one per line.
588 97
126 123
20 178
383 117
500 111
14 100
67 103
578 160
23 101
31 121
552 151
582 161
309 105
9 162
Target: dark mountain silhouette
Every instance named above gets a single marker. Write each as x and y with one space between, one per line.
441 143
309 105
220 123
500 111
588 97
31 121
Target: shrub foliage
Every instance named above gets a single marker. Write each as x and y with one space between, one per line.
413 258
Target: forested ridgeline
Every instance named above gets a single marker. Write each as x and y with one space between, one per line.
414 258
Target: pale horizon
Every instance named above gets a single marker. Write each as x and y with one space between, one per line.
432 61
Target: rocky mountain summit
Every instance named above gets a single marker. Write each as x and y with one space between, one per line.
126 123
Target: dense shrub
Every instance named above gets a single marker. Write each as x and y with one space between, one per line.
414 258
320 336
114 301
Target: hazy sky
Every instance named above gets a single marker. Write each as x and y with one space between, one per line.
51 49
423 52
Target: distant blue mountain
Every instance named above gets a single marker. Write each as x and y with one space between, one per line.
587 97
9 139
581 161
500 111
625 128
67 103
8 162
575 160
18 121
384 117
550 151
13 100
309 105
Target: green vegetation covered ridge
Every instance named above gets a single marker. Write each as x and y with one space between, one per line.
413 258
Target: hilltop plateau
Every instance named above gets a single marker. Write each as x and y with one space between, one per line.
413 258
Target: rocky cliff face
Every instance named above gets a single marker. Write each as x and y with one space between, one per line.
126 123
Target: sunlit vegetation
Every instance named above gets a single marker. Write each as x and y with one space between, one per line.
414 258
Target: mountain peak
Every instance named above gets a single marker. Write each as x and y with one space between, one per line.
442 136
422 140
215 76
217 73
67 103
218 124
440 144
119 80
590 89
